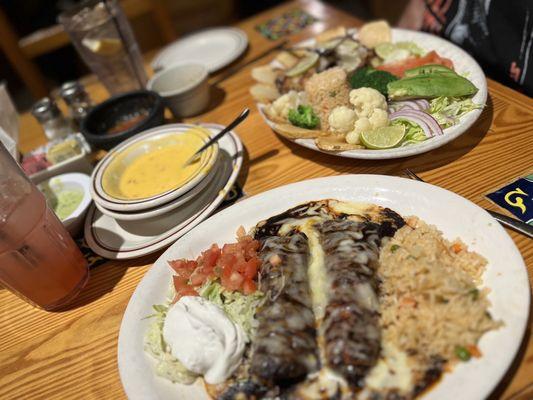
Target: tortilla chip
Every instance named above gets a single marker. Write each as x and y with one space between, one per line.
264 93
335 143
293 132
287 59
273 116
332 33
374 33
264 74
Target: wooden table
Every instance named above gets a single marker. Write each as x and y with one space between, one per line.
72 354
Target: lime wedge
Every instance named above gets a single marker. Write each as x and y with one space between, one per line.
303 65
385 137
383 50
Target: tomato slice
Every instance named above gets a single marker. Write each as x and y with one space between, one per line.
398 68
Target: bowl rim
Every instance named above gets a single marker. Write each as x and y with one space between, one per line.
184 89
156 108
117 204
84 181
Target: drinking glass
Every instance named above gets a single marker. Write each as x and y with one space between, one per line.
9 121
101 34
39 261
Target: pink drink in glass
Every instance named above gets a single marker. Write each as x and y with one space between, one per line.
39 261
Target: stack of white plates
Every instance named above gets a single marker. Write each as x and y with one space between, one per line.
122 228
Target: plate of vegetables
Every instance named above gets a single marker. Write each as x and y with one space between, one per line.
371 93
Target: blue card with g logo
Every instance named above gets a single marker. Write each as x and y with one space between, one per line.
517 198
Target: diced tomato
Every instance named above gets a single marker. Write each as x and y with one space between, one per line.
249 286
398 68
201 275
226 261
210 257
236 264
184 268
179 282
235 281
251 268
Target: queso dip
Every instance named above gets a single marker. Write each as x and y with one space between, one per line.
157 167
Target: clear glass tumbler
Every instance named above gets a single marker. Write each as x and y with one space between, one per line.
39 261
101 34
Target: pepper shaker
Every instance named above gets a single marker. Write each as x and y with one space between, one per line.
55 125
77 99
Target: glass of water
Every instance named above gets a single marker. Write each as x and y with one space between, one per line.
101 34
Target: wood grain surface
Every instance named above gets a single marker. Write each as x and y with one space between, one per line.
72 354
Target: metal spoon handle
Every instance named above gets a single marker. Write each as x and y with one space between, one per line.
228 128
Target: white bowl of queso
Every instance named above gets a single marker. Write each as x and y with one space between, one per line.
149 169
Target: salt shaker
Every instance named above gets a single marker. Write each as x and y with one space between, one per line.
77 99
55 125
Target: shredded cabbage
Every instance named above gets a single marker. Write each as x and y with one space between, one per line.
448 110
167 365
239 307
413 132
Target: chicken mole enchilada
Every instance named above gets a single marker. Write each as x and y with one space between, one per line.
328 300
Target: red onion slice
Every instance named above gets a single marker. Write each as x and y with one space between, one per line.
423 104
429 125
407 104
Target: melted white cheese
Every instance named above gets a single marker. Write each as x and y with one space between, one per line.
203 338
318 279
392 371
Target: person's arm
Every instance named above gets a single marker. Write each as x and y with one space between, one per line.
413 15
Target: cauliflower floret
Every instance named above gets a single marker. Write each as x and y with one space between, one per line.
361 125
341 119
366 100
379 118
283 104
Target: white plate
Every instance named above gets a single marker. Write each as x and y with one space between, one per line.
130 239
163 209
455 216
463 63
215 48
112 203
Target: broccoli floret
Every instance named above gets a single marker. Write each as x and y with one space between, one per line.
372 78
304 117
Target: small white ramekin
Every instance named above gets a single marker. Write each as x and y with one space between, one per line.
184 88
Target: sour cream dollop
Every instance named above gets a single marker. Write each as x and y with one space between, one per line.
203 338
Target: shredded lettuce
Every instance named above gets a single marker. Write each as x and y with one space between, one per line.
398 51
167 365
413 132
448 110
239 307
